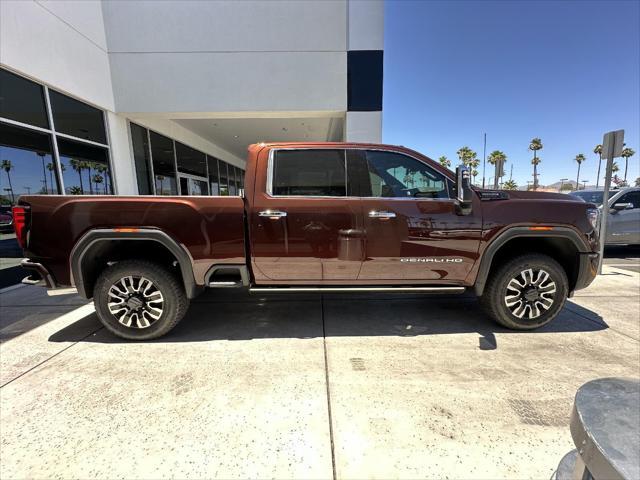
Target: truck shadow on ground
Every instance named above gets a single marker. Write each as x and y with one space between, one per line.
240 316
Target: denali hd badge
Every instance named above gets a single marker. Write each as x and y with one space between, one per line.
432 260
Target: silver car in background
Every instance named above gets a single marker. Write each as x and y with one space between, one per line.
623 221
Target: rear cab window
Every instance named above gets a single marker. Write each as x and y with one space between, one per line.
309 173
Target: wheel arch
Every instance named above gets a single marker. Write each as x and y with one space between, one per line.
563 244
98 246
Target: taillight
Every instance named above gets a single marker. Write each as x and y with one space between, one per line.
20 224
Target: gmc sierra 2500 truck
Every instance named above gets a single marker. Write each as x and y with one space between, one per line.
314 217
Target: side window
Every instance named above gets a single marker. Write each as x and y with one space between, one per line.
631 197
313 173
397 175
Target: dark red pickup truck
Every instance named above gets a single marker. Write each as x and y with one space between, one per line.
314 217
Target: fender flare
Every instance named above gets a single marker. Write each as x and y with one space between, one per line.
518 232
97 235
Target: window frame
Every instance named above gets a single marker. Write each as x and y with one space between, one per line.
346 150
620 200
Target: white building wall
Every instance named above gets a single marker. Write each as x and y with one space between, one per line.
60 43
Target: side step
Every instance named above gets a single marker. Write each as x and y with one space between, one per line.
357 289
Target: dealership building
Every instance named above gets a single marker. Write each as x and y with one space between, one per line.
163 97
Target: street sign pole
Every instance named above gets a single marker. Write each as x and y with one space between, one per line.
611 148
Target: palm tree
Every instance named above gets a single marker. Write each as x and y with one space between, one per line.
465 154
534 146
86 165
97 179
510 185
51 167
598 151
444 161
497 156
579 159
100 168
6 165
75 190
474 163
614 167
626 154
78 166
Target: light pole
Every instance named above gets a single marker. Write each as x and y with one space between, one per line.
562 180
28 189
584 187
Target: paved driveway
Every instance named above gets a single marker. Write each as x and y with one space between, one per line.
306 387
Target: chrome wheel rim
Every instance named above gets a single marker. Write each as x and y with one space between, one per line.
530 294
135 301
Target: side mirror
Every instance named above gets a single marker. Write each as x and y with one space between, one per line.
464 193
621 206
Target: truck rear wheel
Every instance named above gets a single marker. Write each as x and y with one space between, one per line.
139 300
526 293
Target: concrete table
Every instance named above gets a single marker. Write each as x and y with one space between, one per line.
605 427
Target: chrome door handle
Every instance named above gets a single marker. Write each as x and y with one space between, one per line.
272 213
381 214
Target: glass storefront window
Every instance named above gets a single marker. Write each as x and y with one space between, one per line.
26 164
224 176
76 118
214 183
191 161
163 164
142 159
22 100
85 168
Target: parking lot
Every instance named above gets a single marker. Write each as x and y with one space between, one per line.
307 387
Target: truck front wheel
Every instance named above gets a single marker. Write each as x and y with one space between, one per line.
526 293
139 300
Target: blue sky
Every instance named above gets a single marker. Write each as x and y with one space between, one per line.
564 71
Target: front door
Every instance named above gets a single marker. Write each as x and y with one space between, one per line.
304 226
623 226
193 185
413 232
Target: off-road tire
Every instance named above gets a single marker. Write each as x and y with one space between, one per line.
494 302
174 303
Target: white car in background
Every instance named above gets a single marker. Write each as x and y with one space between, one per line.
623 221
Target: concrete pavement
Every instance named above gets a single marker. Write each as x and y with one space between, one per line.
393 386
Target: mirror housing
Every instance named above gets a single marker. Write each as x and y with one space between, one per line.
620 206
464 193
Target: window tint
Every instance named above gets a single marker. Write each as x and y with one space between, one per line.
396 175
141 159
309 173
22 100
590 197
76 118
631 197
191 161
85 168
163 164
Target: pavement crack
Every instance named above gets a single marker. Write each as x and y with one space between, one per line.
52 356
326 378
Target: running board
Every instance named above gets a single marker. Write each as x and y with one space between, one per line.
356 289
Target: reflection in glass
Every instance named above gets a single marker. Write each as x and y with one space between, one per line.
22 100
224 185
191 161
141 158
85 168
76 118
214 183
163 164
26 164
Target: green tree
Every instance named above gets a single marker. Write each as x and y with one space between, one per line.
579 159
78 166
614 167
7 166
510 185
444 161
469 158
75 190
97 179
626 154
51 167
497 156
534 146
102 169
598 151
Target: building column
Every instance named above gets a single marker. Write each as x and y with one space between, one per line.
124 174
363 127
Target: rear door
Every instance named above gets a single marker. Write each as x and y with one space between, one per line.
304 224
412 230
